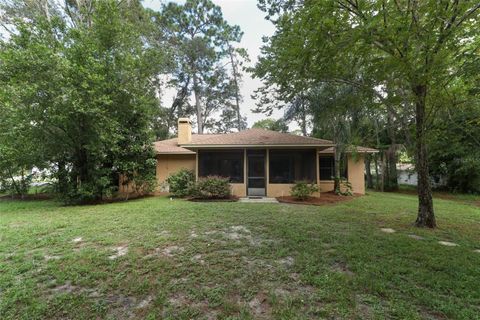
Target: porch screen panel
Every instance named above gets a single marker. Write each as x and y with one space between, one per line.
288 166
227 164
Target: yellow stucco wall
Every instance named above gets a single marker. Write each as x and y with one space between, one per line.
171 163
278 189
282 189
239 189
168 164
326 186
356 175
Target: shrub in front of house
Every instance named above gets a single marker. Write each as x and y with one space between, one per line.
211 187
302 190
345 188
180 182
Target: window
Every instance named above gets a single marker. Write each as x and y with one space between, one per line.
327 167
221 163
288 166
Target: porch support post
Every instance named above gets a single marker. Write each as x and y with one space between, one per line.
267 170
245 169
196 165
245 172
317 165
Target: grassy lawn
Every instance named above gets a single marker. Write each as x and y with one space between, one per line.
155 258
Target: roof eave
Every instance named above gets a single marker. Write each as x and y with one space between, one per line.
175 152
197 146
349 151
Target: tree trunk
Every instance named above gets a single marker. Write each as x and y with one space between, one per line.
177 106
14 183
426 215
392 176
368 170
196 90
377 135
22 195
382 169
337 156
391 154
62 178
304 118
237 94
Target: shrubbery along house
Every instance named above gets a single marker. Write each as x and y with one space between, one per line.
257 162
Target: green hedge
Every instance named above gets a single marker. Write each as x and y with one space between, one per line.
302 190
211 187
180 182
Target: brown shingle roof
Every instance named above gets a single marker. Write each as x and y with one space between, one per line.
257 137
251 137
171 145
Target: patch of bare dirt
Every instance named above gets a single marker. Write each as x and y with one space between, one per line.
286 262
448 243
145 302
193 234
416 237
120 305
258 263
164 233
77 240
294 291
168 252
180 301
19 224
324 199
69 288
119 252
294 276
387 230
238 233
259 306
342 267
179 280
362 308
198 259
49 258
432 315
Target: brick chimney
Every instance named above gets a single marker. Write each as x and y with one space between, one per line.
184 131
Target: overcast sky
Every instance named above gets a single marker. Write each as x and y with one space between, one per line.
245 14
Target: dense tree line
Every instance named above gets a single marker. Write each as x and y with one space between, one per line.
81 84
401 70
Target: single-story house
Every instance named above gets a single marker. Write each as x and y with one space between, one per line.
258 162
